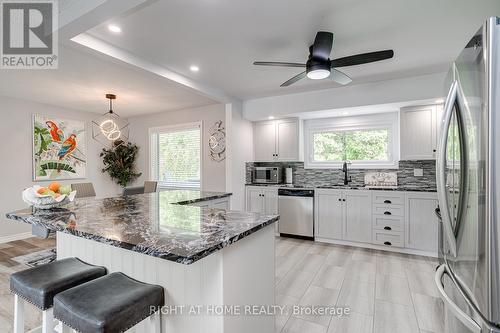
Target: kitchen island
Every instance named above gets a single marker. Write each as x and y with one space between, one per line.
213 263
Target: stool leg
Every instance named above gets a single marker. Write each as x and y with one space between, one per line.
48 321
18 315
155 322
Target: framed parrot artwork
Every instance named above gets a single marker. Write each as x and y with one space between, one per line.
58 148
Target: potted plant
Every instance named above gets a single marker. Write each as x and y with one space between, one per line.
119 163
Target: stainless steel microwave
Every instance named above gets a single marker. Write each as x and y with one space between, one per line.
267 175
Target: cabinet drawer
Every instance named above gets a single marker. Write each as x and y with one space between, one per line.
389 210
388 238
388 197
388 222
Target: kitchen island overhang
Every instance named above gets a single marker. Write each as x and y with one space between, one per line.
204 258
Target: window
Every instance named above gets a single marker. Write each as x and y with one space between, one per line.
366 141
175 156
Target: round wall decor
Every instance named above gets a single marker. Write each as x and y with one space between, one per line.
217 142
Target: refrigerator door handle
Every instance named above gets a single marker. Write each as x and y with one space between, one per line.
459 314
440 169
437 211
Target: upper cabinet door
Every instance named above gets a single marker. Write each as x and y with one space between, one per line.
287 140
264 138
358 216
277 140
418 133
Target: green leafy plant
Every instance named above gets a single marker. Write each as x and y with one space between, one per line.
119 163
54 165
42 139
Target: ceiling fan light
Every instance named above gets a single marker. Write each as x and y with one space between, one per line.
318 74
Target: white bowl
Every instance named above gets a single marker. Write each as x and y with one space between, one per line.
33 198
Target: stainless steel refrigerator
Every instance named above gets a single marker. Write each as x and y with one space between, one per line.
468 178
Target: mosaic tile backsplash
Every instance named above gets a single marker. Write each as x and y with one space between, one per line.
326 177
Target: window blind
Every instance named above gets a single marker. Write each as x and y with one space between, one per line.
176 156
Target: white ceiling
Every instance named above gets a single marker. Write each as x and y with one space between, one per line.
224 37
83 78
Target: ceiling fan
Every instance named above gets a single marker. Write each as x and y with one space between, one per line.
319 66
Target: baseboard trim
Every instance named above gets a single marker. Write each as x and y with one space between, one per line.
15 237
377 247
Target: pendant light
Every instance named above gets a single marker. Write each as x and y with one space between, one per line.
110 129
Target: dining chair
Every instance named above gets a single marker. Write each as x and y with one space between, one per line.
133 190
83 190
150 186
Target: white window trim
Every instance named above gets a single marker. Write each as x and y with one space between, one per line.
170 129
389 121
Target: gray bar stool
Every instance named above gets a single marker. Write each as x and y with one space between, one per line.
40 284
110 304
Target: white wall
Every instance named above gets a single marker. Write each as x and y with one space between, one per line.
391 91
240 150
16 152
213 173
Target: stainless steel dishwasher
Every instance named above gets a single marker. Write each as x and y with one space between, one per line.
296 209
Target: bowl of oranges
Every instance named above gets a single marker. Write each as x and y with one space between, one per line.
52 196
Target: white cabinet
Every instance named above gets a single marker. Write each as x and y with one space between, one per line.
255 200
419 132
271 201
264 200
277 140
222 203
328 211
264 138
357 221
339 216
388 218
421 222
392 220
261 199
287 140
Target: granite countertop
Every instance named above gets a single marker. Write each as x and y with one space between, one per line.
186 197
157 224
409 188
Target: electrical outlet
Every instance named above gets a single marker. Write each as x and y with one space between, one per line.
418 172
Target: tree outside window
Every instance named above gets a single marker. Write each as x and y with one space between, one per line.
351 145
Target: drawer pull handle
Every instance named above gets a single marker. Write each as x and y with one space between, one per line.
387 201
387 243
387 228
387 213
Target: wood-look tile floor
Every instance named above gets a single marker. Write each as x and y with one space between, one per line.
9 266
386 292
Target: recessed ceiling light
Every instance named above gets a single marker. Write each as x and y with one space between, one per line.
439 101
344 113
194 68
270 117
114 28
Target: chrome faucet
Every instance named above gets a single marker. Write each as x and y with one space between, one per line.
347 179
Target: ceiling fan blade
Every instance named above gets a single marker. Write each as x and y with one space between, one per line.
294 79
280 64
339 77
362 58
322 46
